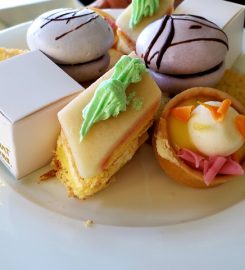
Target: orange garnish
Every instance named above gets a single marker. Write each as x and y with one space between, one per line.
224 106
182 113
218 113
240 124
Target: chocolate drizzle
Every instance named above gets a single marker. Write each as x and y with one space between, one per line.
200 39
167 43
79 26
195 27
68 16
170 36
154 40
204 24
194 16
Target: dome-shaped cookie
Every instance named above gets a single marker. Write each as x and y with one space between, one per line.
71 36
182 44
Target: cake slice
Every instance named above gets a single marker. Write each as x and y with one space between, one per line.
128 34
85 163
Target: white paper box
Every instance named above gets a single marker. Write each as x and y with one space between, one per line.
32 91
228 16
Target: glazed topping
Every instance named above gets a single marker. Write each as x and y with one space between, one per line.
110 97
210 136
142 8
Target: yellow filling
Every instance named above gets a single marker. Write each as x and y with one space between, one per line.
178 130
179 135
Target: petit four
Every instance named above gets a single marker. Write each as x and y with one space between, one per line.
104 126
77 40
136 17
29 105
183 51
200 138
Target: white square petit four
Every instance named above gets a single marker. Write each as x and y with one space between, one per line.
33 89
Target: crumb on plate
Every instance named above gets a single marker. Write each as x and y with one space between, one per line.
88 223
48 175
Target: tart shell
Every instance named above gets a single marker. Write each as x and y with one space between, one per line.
165 153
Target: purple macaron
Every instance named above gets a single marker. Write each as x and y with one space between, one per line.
183 51
77 40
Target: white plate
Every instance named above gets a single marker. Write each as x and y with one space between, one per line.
13 12
142 221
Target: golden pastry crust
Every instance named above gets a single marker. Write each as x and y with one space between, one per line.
165 153
124 43
6 53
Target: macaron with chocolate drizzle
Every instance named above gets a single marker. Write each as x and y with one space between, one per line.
183 51
77 40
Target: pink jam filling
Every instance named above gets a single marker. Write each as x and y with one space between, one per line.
211 166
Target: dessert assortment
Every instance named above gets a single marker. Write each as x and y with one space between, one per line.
199 135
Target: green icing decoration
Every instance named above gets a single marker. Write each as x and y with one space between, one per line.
142 8
110 97
131 97
137 104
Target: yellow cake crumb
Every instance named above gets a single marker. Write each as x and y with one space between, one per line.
48 175
88 223
6 53
82 188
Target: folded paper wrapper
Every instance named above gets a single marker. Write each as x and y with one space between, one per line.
33 90
228 16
